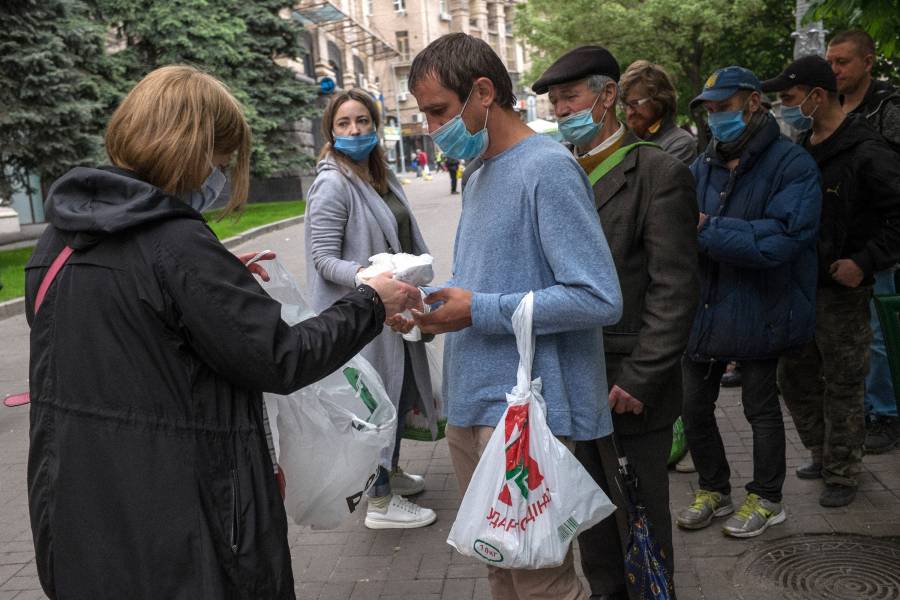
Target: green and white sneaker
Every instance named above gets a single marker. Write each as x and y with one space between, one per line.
406 484
754 517
706 506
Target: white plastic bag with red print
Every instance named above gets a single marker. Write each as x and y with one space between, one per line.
529 496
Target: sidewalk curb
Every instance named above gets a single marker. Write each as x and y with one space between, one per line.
261 230
12 308
16 306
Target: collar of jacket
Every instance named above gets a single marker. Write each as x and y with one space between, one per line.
849 134
756 147
376 205
878 93
665 126
612 182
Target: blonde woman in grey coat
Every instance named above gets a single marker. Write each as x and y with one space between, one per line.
356 209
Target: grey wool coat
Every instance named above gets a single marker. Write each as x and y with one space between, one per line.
347 221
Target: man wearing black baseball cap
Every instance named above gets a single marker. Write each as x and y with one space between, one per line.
859 235
645 199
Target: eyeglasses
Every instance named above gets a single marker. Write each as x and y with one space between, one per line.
634 104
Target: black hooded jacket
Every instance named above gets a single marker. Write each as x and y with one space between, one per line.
860 199
881 108
148 471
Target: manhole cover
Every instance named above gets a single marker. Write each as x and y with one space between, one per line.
824 567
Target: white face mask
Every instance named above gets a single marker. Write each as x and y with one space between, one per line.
209 192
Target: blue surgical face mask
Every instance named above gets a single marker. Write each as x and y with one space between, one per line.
357 147
209 192
793 115
579 128
727 126
455 140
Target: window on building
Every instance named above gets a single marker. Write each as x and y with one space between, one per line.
306 54
359 69
442 6
336 63
400 5
403 44
403 86
367 7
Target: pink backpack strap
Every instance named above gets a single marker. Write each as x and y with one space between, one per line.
52 272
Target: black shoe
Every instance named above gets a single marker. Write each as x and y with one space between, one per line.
731 378
882 434
835 495
810 470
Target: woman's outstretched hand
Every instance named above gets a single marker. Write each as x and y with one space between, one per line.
256 268
396 295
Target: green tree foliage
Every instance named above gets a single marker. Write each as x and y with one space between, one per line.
880 18
235 40
690 38
51 99
65 65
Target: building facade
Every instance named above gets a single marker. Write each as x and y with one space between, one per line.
410 25
370 44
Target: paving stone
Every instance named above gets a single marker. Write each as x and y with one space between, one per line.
337 590
458 589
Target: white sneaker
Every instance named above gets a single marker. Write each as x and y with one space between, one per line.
399 514
406 484
686 464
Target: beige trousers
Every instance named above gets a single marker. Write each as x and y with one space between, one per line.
556 583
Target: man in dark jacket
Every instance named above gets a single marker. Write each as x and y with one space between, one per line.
823 382
851 55
759 202
648 210
452 169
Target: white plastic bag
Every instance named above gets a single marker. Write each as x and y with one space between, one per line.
414 269
327 436
529 496
416 425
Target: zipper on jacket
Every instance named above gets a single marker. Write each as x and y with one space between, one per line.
235 508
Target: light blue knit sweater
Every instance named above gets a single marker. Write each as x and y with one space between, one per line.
529 223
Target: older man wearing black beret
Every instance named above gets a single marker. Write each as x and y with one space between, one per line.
648 210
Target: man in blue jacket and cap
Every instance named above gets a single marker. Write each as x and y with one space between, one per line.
760 200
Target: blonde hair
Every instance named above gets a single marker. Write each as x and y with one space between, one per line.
169 127
657 82
375 170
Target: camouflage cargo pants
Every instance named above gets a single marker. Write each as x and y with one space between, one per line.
823 382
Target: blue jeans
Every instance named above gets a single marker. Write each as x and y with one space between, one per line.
880 398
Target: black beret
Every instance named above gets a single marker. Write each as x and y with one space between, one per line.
578 64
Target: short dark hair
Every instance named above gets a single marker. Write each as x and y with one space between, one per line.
831 95
863 41
456 60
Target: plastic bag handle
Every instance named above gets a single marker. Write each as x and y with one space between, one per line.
257 258
522 327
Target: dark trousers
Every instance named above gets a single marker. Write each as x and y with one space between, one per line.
409 393
759 396
452 181
823 383
603 545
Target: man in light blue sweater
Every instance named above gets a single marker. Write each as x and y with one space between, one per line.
528 223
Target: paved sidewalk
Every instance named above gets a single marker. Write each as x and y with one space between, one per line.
355 563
